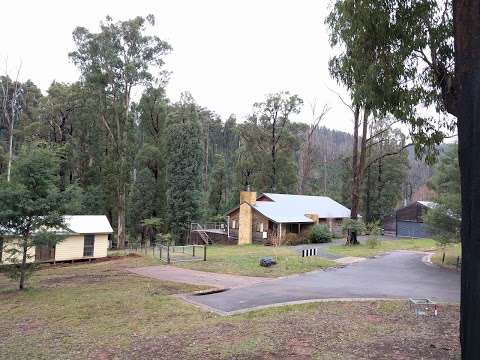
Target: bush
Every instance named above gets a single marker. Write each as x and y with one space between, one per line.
351 225
164 239
320 234
373 230
295 239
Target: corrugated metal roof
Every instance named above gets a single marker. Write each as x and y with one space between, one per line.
429 204
88 224
285 208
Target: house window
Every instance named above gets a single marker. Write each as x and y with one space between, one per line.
88 244
292 228
234 224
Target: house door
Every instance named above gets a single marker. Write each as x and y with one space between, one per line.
44 253
88 244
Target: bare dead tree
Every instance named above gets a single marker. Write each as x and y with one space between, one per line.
11 109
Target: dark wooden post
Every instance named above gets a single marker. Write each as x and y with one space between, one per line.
204 252
168 254
443 257
193 250
160 251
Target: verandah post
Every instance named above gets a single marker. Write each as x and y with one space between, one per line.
204 252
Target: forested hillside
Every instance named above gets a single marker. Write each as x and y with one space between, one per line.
153 165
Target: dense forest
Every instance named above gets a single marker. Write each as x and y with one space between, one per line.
153 165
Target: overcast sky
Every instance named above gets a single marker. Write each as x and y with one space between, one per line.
228 54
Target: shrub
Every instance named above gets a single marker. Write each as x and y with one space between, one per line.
295 239
373 230
164 239
351 225
320 234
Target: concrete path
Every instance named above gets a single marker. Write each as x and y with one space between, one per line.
398 275
173 273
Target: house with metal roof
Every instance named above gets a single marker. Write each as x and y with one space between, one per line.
261 219
84 237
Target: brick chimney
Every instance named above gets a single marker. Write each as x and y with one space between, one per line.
245 219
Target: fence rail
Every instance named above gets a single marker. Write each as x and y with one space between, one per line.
170 253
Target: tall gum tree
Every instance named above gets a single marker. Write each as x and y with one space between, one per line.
113 62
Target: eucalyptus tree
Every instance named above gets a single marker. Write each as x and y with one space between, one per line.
120 57
267 131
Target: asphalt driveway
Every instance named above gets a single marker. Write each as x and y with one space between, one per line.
397 275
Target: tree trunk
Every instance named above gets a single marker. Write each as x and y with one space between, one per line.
274 156
23 268
121 217
467 74
10 150
352 236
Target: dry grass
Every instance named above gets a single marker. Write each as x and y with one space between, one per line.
99 311
452 252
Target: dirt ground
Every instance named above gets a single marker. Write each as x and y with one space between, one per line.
100 311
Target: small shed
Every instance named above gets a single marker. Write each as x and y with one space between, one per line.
409 219
85 237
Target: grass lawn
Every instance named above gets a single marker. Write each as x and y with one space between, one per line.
384 246
451 253
99 311
244 260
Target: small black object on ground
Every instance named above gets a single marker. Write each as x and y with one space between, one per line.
267 262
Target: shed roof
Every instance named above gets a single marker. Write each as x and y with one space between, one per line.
88 224
429 204
285 208
77 224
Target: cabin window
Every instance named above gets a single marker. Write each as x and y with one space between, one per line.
234 224
88 244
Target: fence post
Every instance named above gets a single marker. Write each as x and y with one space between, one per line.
458 261
160 251
443 257
153 250
193 247
204 252
168 254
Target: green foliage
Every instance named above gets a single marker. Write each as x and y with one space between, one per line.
381 59
183 168
353 225
31 202
217 186
292 239
269 145
443 221
384 177
320 234
165 239
373 230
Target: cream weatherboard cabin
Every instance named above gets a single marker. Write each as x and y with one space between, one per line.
85 237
